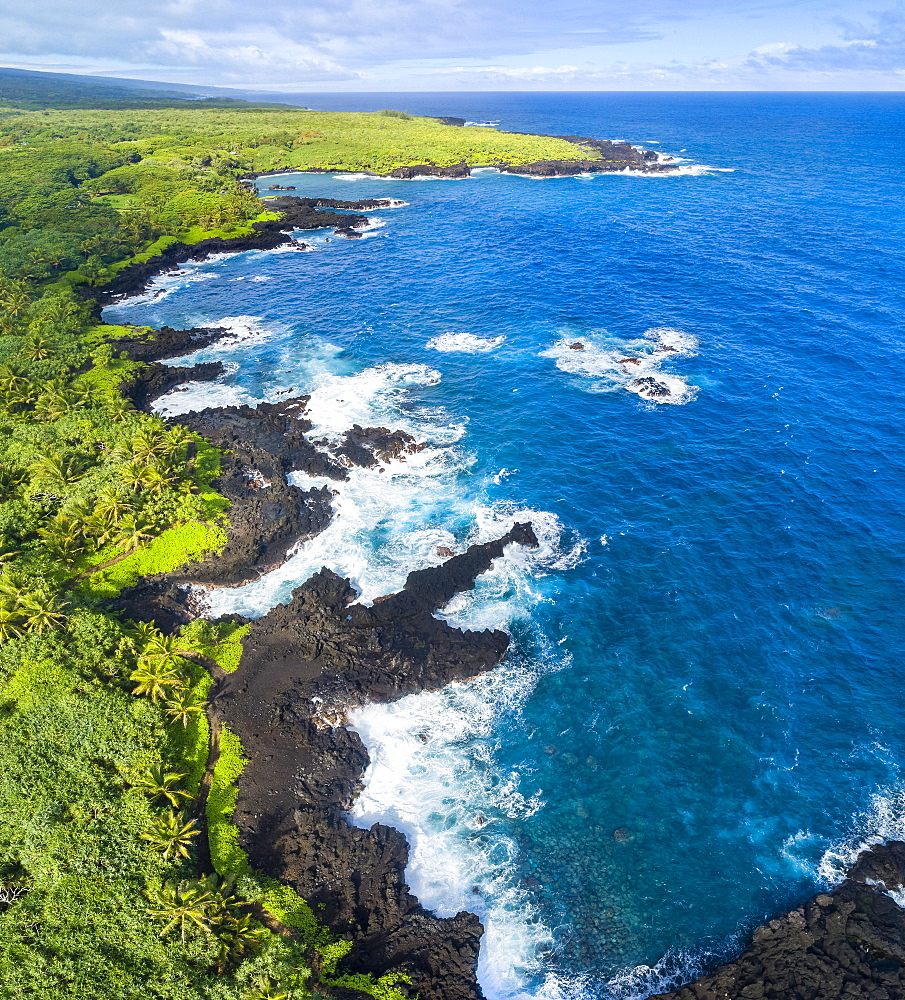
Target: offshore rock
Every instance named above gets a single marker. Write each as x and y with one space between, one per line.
304 665
649 386
366 446
846 944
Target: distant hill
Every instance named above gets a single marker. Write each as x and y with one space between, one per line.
34 90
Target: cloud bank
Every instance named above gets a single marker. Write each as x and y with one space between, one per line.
460 44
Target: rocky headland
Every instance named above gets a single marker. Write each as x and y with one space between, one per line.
612 157
269 234
307 663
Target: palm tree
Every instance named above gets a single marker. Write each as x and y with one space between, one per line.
55 470
66 548
181 706
111 507
148 445
238 937
179 437
12 588
133 476
64 525
162 785
265 989
42 610
36 349
155 679
10 623
50 406
141 633
156 477
119 409
133 532
19 398
9 380
183 905
172 835
7 556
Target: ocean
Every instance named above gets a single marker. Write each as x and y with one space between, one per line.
700 717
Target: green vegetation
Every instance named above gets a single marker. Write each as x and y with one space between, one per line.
37 90
105 733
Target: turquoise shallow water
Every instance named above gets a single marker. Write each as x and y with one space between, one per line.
701 715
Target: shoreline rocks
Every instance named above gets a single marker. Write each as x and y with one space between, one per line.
305 664
297 214
844 944
155 380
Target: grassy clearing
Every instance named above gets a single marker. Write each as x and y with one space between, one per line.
168 551
268 140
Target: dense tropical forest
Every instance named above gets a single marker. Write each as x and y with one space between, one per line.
120 870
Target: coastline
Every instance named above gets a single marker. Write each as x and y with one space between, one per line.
313 660
614 157
290 812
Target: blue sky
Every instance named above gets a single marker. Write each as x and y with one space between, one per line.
381 45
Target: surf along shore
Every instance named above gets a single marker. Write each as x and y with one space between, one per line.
276 765
307 663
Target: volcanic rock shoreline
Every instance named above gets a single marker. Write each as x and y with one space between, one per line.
307 663
296 214
844 944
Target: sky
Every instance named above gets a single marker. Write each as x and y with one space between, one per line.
435 45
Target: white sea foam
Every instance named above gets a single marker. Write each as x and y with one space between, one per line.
883 819
464 343
360 176
670 972
609 364
223 391
433 772
339 401
433 776
199 395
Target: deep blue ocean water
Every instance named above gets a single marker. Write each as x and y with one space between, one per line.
701 715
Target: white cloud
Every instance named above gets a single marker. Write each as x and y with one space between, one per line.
461 44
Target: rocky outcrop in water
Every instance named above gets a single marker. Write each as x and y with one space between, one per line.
304 665
648 385
366 446
845 944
